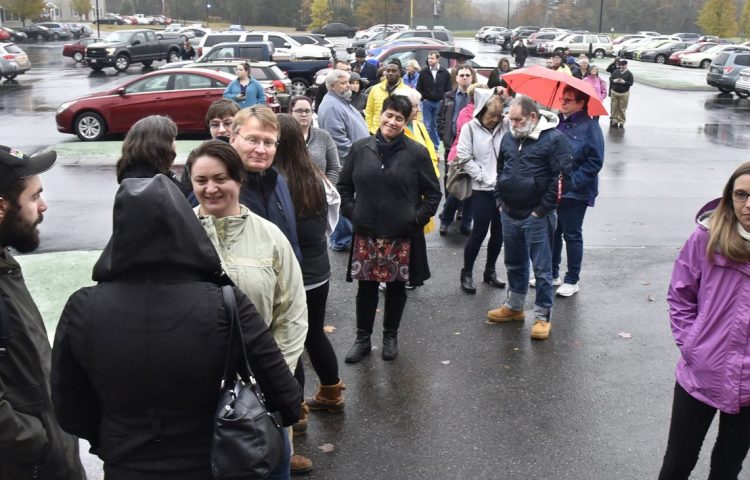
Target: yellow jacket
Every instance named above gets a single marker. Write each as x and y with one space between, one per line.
375 99
420 135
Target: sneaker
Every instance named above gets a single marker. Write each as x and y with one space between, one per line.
505 314
567 290
381 287
540 329
555 282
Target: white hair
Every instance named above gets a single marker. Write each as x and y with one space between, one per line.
333 76
414 96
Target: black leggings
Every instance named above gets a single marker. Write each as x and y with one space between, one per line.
486 217
367 305
690 421
319 348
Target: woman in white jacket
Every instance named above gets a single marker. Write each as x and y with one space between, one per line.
478 147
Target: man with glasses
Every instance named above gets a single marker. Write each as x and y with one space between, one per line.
433 83
265 192
530 163
453 102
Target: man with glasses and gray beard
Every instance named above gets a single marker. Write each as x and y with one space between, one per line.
529 166
345 124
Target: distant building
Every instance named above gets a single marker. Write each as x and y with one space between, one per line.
57 10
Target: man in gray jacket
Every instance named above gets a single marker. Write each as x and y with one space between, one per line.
32 445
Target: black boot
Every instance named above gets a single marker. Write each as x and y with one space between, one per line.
390 345
490 276
467 281
360 349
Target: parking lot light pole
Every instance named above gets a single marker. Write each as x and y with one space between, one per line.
208 14
98 33
601 13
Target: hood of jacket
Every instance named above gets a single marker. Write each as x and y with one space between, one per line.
155 234
547 121
703 217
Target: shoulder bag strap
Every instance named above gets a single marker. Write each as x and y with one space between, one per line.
230 307
4 328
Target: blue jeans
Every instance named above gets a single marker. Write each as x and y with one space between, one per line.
449 211
486 217
527 240
341 237
570 213
430 111
281 472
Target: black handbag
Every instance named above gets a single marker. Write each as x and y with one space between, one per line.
248 441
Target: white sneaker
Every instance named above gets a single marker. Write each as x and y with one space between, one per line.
555 282
567 290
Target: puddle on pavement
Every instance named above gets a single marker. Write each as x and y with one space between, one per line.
730 134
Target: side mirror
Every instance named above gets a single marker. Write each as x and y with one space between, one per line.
287 45
136 42
121 91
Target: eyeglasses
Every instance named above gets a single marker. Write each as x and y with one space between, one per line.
227 124
740 196
568 100
255 142
463 75
302 111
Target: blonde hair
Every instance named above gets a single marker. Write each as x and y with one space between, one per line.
723 237
262 113
472 87
413 63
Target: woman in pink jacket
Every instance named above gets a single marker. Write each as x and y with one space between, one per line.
596 82
709 308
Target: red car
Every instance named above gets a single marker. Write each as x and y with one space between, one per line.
674 59
77 49
4 36
183 95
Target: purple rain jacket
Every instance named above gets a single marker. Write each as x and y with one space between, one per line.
709 309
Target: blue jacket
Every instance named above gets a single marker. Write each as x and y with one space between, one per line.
528 169
254 93
581 182
412 82
344 122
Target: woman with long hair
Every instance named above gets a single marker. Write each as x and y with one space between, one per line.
389 190
245 90
496 80
709 301
320 144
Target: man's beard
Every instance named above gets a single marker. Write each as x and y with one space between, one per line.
347 95
524 131
14 233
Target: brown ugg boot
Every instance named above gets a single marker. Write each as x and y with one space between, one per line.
300 428
329 397
300 465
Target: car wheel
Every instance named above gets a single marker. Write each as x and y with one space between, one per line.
507 46
147 63
299 86
96 68
10 76
90 126
122 62
159 36
725 89
661 59
55 36
350 35
173 56
599 53
742 93
39 37
78 57
705 63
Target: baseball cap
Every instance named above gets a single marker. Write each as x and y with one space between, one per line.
360 53
623 62
15 164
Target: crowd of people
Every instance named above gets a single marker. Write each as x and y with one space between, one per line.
258 207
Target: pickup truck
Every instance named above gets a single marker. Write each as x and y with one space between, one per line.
123 47
300 72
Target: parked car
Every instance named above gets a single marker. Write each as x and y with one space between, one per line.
704 59
362 42
183 95
314 39
111 19
523 32
491 34
15 35
77 49
198 32
687 37
649 34
4 35
59 30
13 61
286 48
390 28
742 86
726 67
419 53
336 30
180 35
479 35
624 38
442 35
675 58
124 47
628 51
538 38
661 52
598 45
436 45
38 32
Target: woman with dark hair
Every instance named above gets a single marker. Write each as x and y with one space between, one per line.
149 149
138 358
496 80
709 301
320 145
245 90
306 185
358 86
389 191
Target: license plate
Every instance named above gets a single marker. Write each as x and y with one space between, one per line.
93 60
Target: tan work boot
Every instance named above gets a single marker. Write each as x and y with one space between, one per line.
300 428
329 398
540 329
505 314
300 465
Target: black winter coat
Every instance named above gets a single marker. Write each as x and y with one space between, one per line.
311 231
395 196
433 89
138 358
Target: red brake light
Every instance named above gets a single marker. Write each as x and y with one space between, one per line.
330 65
9 57
279 86
728 70
200 51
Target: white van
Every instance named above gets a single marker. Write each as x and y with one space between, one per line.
286 48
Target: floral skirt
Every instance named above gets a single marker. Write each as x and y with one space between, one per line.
380 259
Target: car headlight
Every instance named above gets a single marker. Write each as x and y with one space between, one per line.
680 55
110 50
65 106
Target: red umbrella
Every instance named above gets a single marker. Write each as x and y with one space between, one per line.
545 86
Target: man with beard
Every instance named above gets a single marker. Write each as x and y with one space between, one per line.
32 443
346 125
529 166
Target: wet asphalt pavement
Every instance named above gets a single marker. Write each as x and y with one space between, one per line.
467 400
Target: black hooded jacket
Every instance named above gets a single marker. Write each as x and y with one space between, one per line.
138 358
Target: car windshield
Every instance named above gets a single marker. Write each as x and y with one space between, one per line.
119 37
715 49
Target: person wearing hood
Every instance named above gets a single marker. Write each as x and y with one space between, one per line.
138 358
358 85
477 152
530 164
149 148
392 85
709 301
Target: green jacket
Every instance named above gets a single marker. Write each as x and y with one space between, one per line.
32 445
260 261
